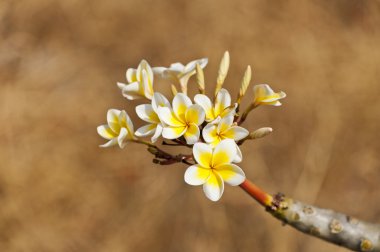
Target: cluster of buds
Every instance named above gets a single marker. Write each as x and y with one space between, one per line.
209 125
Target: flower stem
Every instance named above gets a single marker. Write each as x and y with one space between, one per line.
143 142
257 193
246 112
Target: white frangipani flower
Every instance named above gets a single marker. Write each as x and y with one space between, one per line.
214 167
148 113
118 130
140 82
182 120
264 95
221 108
225 129
180 73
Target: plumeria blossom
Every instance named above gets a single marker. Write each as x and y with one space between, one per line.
226 129
118 130
214 167
148 113
182 120
180 73
221 108
140 82
264 95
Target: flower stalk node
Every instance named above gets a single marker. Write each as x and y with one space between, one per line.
278 202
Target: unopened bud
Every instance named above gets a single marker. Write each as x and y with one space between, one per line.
223 70
200 79
262 132
245 82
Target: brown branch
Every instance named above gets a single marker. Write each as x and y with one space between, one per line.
171 144
165 158
326 224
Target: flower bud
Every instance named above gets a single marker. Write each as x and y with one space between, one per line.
259 133
223 70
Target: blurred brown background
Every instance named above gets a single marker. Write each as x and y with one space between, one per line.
60 62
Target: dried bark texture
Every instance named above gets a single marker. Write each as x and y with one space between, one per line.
327 224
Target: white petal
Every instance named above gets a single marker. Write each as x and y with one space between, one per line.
157 133
192 134
239 156
262 90
216 120
277 103
273 103
176 67
146 130
195 114
146 113
236 132
159 100
113 119
106 132
196 175
222 101
130 127
173 132
113 115
110 143
209 133
271 99
224 152
203 62
121 85
191 65
131 91
144 66
231 174
180 104
121 139
203 154
282 94
214 187
147 85
205 103
229 111
225 123
159 71
167 116
148 70
126 122
131 75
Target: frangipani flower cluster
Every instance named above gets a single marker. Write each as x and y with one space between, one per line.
209 124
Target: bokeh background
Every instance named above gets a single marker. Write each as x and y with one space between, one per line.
60 61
